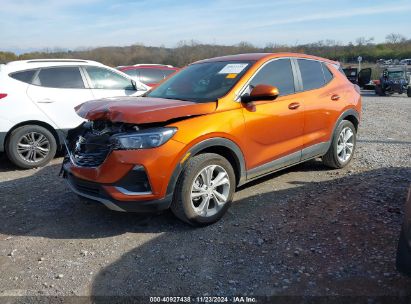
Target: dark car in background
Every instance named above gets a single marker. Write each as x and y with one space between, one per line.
149 74
395 79
361 78
404 244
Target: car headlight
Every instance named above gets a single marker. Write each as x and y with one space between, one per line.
144 139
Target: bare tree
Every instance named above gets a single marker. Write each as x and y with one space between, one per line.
364 41
395 38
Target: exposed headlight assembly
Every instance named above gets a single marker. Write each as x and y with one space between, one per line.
144 139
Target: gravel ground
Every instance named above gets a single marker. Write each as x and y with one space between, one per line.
303 231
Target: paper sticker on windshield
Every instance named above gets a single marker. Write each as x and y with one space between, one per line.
233 68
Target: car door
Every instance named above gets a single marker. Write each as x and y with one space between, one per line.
107 83
274 129
322 100
56 91
364 77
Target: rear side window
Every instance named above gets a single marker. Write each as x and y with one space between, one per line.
276 73
61 77
148 76
311 74
328 76
25 76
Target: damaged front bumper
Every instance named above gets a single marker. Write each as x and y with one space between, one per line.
101 193
123 180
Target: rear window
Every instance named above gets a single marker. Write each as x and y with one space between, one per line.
132 73
25 76
311 74
61 77
148 76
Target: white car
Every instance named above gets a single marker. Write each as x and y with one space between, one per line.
37 100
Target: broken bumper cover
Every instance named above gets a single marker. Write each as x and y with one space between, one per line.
96 192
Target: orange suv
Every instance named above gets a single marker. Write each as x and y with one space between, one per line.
215 125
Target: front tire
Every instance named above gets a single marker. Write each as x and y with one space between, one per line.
204 190
342 146
31 146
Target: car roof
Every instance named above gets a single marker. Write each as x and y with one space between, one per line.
266 56
396 69
148 66
40 63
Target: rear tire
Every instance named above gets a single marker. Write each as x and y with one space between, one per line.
204 190
31 146
342 146
403 261
409 91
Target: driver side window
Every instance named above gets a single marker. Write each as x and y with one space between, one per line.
277 73
105 79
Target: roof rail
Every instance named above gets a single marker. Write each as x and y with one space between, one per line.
154 64
55 60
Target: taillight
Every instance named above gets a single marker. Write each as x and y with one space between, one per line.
2 95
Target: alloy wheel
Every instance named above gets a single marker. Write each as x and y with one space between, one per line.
345 144
210 190
33 147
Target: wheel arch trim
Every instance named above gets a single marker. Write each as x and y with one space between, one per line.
58 134
214 142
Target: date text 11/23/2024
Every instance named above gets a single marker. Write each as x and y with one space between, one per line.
203 299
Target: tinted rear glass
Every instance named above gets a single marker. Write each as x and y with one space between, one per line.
311 74
61 77
25 76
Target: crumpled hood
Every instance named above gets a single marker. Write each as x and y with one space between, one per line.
141 109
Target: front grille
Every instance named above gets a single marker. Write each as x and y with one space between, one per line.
85 158
92 150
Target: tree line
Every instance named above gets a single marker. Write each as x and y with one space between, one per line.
396 46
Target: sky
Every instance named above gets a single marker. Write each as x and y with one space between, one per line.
27 25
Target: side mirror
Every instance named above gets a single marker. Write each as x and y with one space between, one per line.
134 84
261 92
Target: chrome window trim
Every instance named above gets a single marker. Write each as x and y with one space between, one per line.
298 83
241 91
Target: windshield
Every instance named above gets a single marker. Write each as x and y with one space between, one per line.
395 74
202 82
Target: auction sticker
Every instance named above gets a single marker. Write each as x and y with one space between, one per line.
233 68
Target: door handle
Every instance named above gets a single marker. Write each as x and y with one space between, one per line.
335 97
294 105
46 100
